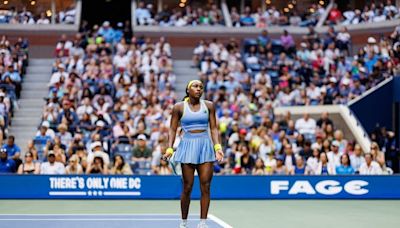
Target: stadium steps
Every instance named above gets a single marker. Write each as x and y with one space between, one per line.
27 116
184 73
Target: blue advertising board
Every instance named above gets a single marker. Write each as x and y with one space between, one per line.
222 187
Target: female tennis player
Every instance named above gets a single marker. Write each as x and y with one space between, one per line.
196 151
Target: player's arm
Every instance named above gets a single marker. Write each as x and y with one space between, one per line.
214 131
176 115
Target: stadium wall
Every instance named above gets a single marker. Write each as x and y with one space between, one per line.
223 187
376 107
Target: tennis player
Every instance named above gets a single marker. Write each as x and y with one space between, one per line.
196 151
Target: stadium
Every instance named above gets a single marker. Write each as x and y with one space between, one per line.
117 113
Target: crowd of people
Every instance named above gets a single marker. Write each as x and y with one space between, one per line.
273 16
110 98
374 12
179 17
108 107
13 63
24 16
247 83
320 70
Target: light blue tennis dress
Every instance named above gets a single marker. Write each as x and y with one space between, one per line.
195 148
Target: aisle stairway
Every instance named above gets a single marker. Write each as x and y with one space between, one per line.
184 73
34 89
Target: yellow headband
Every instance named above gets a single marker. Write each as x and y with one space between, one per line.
193 81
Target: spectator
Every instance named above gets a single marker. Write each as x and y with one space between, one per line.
306 125
120 167
6 165
370 167
324 120
334 156
289 157
259 168
280 168
74 167
97 151
357 158
29 166
313 162
325 166
345 167
300 168
52 167
164 168
143 15
97 166
141 152
13 151
247 162
335 16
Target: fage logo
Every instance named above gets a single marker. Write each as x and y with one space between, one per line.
326 187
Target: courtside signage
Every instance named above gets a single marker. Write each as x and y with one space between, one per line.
222 187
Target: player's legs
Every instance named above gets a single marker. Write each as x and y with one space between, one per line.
188 178
205 172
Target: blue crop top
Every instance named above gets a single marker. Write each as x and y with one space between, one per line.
191 120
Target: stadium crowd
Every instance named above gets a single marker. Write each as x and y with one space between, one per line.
273 16
247 83
13 63
187 16
110 100
374 12
24 16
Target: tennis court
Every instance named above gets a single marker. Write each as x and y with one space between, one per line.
224 213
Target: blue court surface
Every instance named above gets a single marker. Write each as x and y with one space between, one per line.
109 221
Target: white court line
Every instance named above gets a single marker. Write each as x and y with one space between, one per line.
99 214
211 217
219 221
92 219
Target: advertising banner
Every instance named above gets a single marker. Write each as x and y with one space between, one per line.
222 187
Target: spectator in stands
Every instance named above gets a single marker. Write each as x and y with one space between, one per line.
97 166
164 168
52 167
247 162
143 14
43 20
97 151
378 155
73 166
300 168
287 42
63 134
345 167
13 150
325 166
120 167
289 157
280 168
334 156
313 162
335 16
306 125
141 152
357 158
6 165
259 167
370 167
29 166
107 32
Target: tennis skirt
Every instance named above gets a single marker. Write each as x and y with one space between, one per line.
195 148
